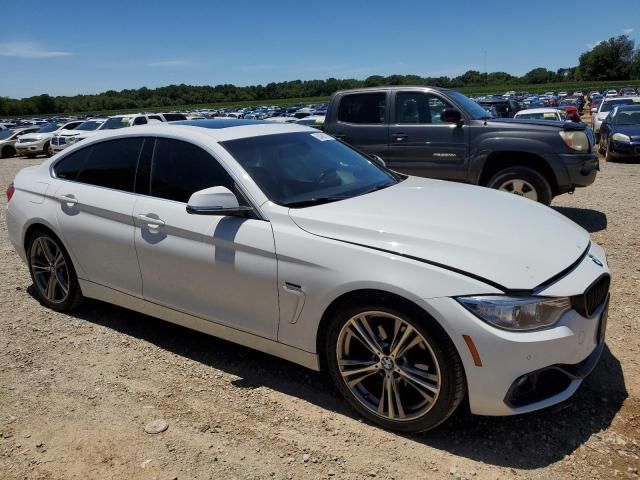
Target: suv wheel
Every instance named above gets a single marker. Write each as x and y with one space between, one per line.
53 275
393 368
47 150
523 181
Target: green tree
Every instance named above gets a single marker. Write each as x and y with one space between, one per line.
609 60
538 75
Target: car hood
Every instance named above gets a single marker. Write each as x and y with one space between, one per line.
34 136
632 131
511 242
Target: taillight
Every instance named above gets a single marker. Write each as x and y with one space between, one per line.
10 190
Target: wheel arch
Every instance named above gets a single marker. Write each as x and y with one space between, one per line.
361 296
497 161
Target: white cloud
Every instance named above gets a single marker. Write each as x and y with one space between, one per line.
169 63
627 31
594 44
29 50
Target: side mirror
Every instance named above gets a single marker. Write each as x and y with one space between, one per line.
378 160
216 201
451 115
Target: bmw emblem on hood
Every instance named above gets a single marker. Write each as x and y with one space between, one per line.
596 260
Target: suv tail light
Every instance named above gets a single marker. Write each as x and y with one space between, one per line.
10 190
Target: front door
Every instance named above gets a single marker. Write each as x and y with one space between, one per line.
219 268
420 143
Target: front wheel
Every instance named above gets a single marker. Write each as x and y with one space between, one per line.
53 275
524 182
397 370
8 151
47 150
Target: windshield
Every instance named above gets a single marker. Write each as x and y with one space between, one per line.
302 169
608 106
89 125
627 117
538 116
117 122
469 106
49 127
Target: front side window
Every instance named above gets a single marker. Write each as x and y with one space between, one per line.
179 169
367 108
110 164
419 107
48 128
304 169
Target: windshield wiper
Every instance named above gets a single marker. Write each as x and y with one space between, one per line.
314 201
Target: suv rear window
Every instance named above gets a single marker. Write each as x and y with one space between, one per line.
363 108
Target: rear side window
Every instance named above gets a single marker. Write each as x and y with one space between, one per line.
70 166
109 164
173 117
366 108
179 169
140 121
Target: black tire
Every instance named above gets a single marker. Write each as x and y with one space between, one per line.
608 156
451 372
8 151
47 150
532 178
73 297
601 149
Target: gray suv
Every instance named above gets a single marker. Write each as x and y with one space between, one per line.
440 133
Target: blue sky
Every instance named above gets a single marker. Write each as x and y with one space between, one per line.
71 47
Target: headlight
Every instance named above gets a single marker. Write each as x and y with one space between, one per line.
517 313
575 140
72 140
619 137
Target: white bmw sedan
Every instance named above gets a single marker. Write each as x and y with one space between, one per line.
412 293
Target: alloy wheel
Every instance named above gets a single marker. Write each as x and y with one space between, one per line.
521 188
50 270
388 366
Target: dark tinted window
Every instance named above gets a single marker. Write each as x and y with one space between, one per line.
174 117
140 121
155 117
70 166
180 169
362 108
112 164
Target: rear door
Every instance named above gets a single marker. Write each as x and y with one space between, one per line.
220 268
96 195
362 120
420 143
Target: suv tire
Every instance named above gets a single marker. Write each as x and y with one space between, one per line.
523 181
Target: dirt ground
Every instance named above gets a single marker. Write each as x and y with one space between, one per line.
77 390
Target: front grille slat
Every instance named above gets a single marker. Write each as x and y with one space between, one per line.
587 303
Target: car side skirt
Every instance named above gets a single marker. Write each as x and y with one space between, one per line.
287 352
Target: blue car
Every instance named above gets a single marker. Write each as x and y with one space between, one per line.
620 133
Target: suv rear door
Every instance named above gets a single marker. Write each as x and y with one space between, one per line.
420 143
363 121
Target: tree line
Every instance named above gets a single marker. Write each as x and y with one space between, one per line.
615 59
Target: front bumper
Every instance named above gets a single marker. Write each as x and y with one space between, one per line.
624 150
30 147
582 169
569 350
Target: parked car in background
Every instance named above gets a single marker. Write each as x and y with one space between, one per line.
39 143
620 133
169 117
611 93
628 92
315 121
504 107
415 295
64 138
605 107
541 114
8 139
440 133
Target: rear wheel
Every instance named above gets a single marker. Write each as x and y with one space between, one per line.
524 182
397 370
53 275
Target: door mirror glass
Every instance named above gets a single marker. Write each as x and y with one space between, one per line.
216 201
451 115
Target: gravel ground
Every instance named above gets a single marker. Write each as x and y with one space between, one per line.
76 392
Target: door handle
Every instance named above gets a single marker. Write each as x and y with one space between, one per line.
151 222
398 137
68 199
